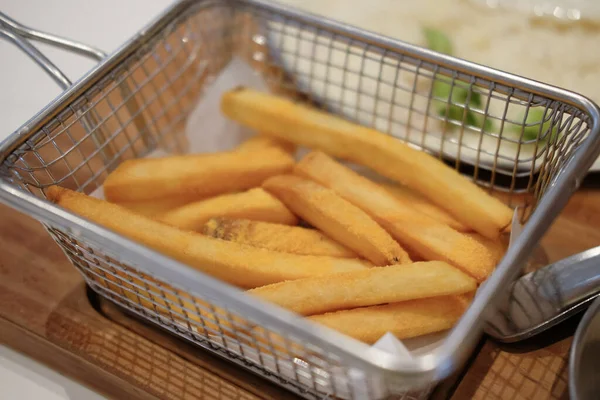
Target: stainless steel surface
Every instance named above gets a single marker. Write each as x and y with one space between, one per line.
543 298
48 38
166 67
52 70
584 358
18 33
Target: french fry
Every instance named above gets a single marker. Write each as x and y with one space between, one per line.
337 218
238 264
424 206
417 232
306 126
405 320
374 286
254 204
259 142
496 247
278 237
200 175
155 207
151 208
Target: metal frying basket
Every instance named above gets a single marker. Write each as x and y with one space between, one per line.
138 99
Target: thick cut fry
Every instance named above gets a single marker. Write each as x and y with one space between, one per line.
200 175
424 206
151 208
278 237
259 142
238 264
417 232
337 218
254 204
405 320
366 288
306 126
496 247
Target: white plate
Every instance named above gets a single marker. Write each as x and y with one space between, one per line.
340 64
340 72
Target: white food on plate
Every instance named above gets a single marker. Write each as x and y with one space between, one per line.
551 50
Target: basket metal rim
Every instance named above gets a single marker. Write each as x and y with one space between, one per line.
430 367
93 76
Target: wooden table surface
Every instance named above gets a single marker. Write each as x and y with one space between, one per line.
47 313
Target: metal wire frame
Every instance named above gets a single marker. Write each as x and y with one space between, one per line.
348 74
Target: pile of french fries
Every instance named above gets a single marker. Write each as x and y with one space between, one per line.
314 236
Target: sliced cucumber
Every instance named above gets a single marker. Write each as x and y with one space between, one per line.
454 94
535 118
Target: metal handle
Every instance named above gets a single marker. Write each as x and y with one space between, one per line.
543 298
18 33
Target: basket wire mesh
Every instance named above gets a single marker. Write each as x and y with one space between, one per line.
311 61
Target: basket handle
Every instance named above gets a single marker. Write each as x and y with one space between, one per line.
18 34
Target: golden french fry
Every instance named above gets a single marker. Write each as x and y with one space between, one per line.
259 142
424 206
254 204
307 126
152 208
419 233
200 175
496 247
238 264
337 218
405 320
278 237
374 286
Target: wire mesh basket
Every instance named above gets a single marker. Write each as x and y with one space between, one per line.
138 100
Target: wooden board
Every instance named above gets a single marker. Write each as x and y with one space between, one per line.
45 312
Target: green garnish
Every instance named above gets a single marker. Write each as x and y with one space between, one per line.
437 41
456 95
531 130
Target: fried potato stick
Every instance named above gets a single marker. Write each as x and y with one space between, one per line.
155 207
278 237
496 247
200 175
337 218
310 127
374 286
237 264
151 208
405 320
260 141
424 206
254 204
417 232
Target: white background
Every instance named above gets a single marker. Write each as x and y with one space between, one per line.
24 90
